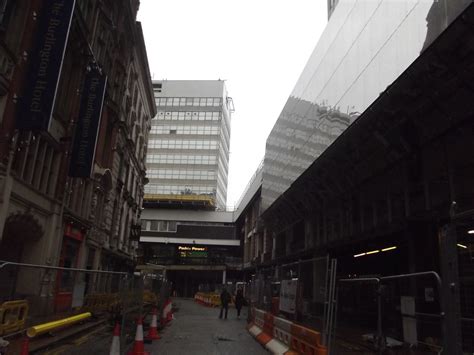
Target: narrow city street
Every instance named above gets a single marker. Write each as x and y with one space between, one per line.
196 330
313 160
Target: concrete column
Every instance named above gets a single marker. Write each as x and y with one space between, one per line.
224 276
450 298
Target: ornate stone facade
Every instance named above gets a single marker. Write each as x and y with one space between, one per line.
38 200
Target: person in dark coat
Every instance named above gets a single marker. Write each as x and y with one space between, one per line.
239 301
225 299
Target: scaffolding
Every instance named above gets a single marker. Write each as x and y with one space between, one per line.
185 200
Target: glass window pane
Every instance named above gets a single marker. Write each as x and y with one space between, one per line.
154 225
172 226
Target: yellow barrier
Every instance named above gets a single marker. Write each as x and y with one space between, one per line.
215 300
210 299
12 316
149 297
46 327
101 302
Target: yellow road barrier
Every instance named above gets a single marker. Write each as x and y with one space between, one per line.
46 327
12 316
101 302
149 297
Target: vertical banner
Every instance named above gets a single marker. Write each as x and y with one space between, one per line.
45 63
87 129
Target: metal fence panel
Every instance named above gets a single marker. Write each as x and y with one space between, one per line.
309 299
400 312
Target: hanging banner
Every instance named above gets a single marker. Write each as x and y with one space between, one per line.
288 292
87 129
45 62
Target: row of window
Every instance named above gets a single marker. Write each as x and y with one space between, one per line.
181 159
181 174
299 145
179 189
331 128
37 162
188 116
185 130
188 101
182 144
160 226
293 160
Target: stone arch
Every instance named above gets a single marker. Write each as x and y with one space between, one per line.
23 227
20 228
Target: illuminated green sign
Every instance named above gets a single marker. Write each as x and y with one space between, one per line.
192 252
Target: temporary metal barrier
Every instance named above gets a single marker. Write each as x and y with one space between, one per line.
131 299
4 263
378 340
45 293
56 294
13 315
282 336
385 292
303 291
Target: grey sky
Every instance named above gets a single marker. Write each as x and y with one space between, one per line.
258 46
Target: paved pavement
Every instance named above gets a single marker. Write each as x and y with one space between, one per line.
197 330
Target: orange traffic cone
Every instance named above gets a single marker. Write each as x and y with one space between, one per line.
115 347
153 332
25 346
139 346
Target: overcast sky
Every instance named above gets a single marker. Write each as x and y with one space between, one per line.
259 47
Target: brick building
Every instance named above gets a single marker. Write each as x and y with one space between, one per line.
54 209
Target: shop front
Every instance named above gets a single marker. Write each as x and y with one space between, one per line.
69 258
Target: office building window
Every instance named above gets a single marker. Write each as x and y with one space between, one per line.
184 159
154 225
187 101
172 226
188 116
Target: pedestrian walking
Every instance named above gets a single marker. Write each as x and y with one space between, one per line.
239 301
225 299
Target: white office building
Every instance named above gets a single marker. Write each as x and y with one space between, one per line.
188 147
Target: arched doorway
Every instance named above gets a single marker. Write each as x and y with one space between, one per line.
20 230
